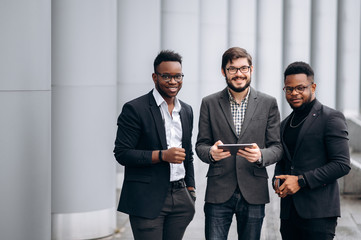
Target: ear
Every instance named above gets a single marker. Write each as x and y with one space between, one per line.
251 70
154 76
313 88
223 73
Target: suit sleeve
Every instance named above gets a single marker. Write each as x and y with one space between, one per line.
273 150
338 156
189 167
128 137
204 138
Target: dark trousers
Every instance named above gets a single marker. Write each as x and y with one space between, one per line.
176 214
297 228
219 218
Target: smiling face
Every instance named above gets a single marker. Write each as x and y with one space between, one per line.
238 81
168 90
296 99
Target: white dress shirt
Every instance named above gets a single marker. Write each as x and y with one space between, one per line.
173 131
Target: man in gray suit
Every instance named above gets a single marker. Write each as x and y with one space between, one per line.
237 182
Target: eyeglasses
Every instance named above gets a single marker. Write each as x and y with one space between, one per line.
234 70
168 77
299 88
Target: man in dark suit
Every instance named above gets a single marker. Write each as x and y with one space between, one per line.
154 144
316 154
237 183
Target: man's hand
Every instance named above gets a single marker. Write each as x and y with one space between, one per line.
174 155
218 154
251 154
289 187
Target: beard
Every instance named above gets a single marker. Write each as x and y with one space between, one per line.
237 89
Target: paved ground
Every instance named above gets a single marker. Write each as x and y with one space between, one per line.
349 225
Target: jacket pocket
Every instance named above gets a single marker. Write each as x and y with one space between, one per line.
138 178
260 172
214 171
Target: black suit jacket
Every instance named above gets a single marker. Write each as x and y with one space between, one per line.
140 131
322 156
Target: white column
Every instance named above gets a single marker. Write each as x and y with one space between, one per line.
242 28
242 20
297 35
25 96
83 118
268 64
348 65
180 32
138 45
213 43
324 48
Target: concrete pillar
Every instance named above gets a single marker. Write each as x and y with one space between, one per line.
242 21
83 115
139 23
213 43
297 36
324 49
242 28
268 61
348 52
180 32
25 96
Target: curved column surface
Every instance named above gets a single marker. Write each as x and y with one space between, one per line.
296 36
83 118
324 49
348 53
268 61
25 96
242 28
213 43
138 44
180 19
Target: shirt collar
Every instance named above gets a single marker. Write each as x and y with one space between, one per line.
233 100
160 100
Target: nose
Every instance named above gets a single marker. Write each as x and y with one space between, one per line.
239 73
172 80
294 92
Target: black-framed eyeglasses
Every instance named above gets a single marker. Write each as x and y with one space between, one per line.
299 88
168 77
234 70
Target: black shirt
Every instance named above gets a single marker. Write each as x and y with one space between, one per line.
294 125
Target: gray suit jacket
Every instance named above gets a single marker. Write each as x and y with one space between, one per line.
261 125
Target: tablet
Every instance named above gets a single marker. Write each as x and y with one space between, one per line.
233 148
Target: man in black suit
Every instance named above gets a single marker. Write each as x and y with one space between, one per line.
154 144
316 154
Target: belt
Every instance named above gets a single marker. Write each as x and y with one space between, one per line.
178 184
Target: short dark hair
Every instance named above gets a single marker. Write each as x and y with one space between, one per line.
235 53
166 56
297 68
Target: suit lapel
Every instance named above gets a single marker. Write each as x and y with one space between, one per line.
311 117
285 148
226 108
158 120
251 108
185 125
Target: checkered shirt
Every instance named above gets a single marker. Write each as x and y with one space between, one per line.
238 111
